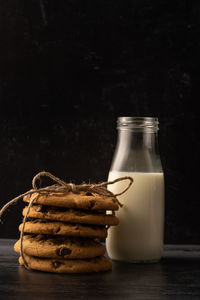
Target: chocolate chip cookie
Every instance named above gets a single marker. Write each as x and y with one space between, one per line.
42 226
71 215
82 200
96 264
60 247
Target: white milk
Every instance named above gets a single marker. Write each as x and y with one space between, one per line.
139 235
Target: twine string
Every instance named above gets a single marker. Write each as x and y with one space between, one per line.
62 187
22 230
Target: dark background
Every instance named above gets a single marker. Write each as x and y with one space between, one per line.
69 68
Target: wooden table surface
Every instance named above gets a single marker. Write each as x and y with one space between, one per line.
177 277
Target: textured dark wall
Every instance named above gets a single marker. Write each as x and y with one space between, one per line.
69 68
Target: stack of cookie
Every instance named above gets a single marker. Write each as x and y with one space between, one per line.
65 230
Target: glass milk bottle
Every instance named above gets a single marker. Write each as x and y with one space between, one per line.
139 235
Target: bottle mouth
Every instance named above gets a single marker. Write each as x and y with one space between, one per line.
149 124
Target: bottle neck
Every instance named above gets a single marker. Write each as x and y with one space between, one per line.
136 151
138 140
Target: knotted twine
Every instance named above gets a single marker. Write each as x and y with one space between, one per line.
61 187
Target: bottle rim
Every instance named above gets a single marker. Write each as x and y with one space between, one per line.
138 123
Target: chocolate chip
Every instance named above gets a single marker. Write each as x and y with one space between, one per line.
92 203
57 230
88 194
57 264
114 200
64 251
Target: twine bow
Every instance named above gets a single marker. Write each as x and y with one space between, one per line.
61 187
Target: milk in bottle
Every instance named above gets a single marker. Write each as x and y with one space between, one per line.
139 235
